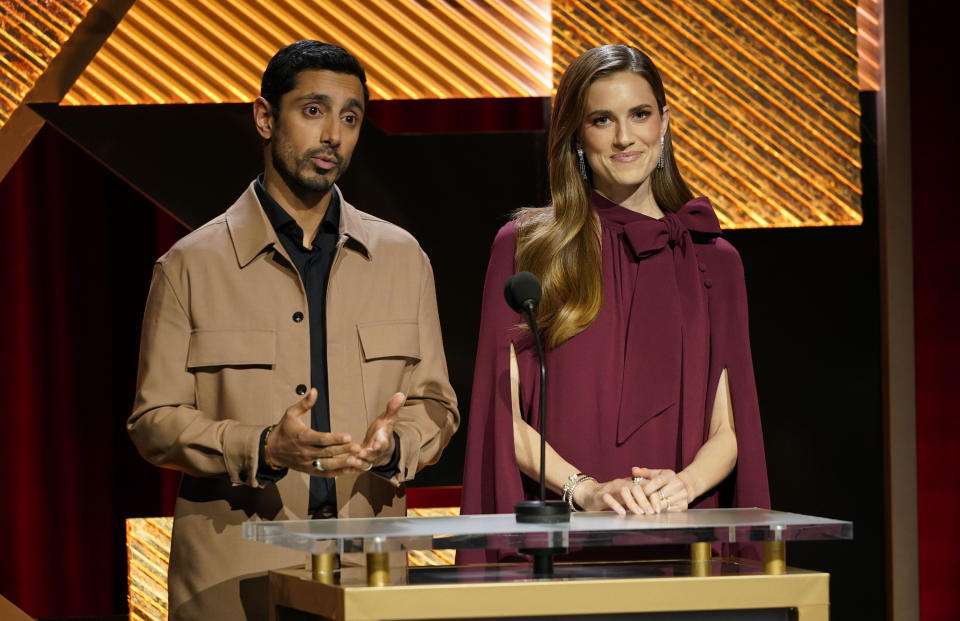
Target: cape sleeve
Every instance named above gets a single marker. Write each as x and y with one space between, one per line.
747 486
491 476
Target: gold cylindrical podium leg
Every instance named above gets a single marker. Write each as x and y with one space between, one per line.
378 569
700 556
774 557
323 566
700 551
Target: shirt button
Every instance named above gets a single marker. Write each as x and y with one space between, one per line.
301 389
298 316
702 267
707 284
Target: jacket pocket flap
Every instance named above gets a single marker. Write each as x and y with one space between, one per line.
211 348
390 339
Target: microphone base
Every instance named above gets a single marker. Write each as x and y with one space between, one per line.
542 512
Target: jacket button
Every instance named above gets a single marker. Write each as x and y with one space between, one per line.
298 316
301 389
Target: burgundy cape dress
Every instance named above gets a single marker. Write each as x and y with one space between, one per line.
636 388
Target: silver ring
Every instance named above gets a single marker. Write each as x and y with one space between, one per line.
368 468
318 464
638 480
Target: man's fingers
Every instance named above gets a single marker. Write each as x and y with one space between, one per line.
393 406
380 432
333 450
304 405
332 466
324 439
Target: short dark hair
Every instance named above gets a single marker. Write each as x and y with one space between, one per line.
281 73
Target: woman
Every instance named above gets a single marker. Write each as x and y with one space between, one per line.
651 395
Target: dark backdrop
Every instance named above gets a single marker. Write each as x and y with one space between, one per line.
935 136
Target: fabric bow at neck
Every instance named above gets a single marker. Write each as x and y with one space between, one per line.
667 338
647 237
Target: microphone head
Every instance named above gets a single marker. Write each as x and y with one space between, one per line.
522 289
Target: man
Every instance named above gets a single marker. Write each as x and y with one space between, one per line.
292 302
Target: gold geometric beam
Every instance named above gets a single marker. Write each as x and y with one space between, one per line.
31 35
764 95
214 51
44 44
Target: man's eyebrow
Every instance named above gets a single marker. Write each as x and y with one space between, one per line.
327 100
316 97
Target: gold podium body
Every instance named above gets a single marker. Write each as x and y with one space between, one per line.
698 586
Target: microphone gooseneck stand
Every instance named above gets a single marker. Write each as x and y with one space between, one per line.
523 292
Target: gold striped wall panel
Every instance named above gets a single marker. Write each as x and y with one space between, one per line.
31 34
214 51
148 556
764 94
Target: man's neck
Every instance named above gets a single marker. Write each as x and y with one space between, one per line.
306 208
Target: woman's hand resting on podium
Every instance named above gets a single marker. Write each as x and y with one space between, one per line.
620 495
659 490
666 490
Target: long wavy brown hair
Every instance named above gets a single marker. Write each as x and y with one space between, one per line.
560 243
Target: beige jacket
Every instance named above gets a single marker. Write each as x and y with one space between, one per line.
221 358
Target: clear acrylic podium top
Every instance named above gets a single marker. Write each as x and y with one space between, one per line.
585 530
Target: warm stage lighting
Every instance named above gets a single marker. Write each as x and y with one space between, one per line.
765 98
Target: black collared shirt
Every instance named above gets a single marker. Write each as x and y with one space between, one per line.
313 264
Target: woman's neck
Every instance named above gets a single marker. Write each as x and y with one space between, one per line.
635 198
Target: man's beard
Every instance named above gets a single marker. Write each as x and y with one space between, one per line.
303 175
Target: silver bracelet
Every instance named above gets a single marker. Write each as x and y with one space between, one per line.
568 488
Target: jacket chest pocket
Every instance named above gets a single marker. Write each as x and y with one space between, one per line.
233 371
389 350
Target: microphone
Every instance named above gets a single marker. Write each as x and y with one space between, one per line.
523 292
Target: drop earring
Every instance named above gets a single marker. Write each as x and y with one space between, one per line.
660 163
581 164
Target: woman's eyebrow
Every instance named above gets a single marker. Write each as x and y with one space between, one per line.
637 108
